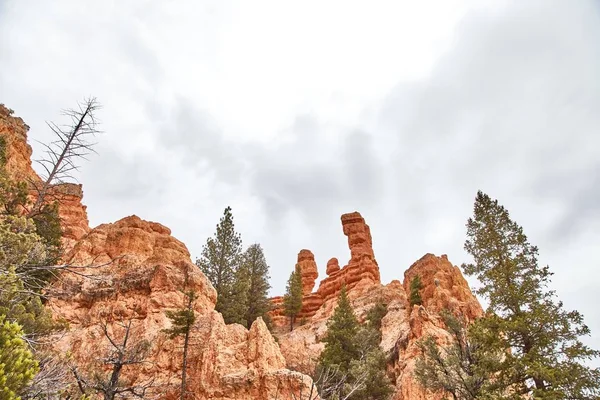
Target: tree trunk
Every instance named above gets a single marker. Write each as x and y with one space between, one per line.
184 367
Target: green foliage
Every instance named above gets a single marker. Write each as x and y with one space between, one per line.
183 319
546 355
22 251
257 271
340 344
353 352
457 367
375 316
26 308
220 261
17 365
47 226
415 287
292 300
182 322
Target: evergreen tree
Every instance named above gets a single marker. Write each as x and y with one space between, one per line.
182 322
219 261
415 287
370 367
353 352
17 365
340 344
545 353
255 265
292 300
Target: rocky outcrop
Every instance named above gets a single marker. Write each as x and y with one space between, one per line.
403 326
308 270
134 270
129 273
358 275
72 212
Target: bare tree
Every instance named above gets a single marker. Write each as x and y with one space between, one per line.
72 143
122 353
327 383
51 381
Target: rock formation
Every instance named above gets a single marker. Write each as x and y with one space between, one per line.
133 271
308 270
72 212
443 288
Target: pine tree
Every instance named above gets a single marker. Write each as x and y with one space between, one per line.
370 367
353 352
257 269
415 287
545 353
340 344
182 322
292 300
17 365
219 261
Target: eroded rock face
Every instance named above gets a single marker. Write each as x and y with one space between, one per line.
359 275
403 326
72 212
135 272
308 270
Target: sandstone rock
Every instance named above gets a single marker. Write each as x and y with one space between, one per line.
135 270
359 275
403 326
444 287
333 266
72 212
308 270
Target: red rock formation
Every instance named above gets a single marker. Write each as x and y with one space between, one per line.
361 272
443 288
135 270
308 270
72 212
333 266
18 151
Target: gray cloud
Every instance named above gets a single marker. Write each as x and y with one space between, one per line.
511 108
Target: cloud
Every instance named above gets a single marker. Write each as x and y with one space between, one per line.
400 113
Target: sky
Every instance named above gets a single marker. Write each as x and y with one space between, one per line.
294 113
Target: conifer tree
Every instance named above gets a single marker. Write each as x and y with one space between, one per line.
340 344
17 365
255 265
219 261
543 352
353 352
415 287
182 322
292 300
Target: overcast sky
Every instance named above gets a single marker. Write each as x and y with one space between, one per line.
296 112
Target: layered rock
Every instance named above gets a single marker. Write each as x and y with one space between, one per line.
308 270
134 270
403 326
359 274
72 212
